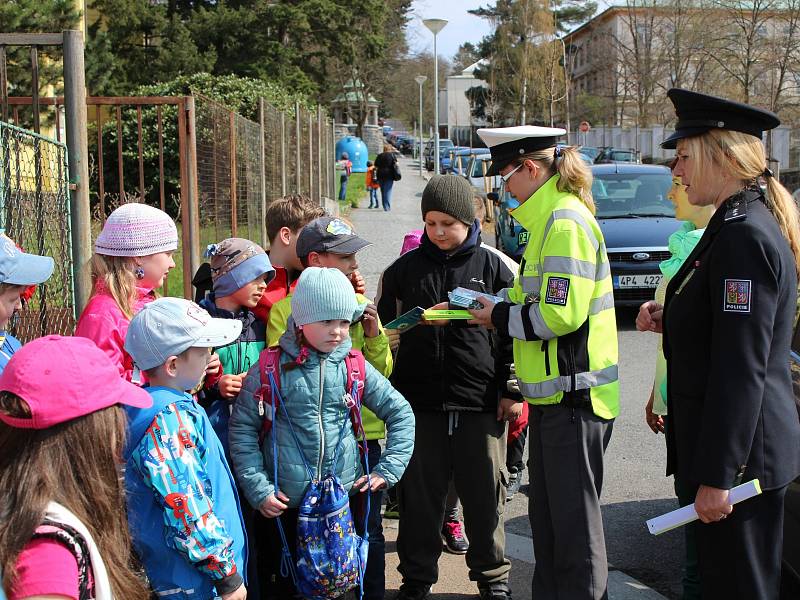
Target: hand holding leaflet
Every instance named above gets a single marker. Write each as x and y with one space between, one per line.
687 514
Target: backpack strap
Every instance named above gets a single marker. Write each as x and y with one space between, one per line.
356 382
74 542
268 363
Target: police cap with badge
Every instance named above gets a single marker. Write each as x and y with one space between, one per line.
698 113
509 143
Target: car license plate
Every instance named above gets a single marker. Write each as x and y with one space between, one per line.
637 281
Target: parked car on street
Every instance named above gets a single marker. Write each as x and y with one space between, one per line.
446 158
589 151
613 155
459 159
405 143
636 219
444 147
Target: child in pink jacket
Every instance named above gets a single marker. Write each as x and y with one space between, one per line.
132 256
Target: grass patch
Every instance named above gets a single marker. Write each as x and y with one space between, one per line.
356 191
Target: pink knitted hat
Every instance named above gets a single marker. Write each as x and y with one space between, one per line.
137 230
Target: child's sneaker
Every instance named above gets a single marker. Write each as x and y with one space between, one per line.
454 540
392 510
514 481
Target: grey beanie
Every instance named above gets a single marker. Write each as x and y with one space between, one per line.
451 195
324 295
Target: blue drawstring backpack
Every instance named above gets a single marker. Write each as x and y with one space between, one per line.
331 556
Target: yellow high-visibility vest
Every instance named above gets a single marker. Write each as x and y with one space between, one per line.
563 321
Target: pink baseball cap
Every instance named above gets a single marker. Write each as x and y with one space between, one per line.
63 378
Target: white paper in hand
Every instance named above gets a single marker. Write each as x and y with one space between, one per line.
687 514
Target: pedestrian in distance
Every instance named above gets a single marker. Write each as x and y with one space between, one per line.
310 435
560 312
454 377
63 532
346 167
681 243
132 257
388 171
372 185
18 272
727 324
183 508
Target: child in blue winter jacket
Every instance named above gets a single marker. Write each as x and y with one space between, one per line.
313 384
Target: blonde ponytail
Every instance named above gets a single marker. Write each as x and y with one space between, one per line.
743 157
574 176
115 273
782 205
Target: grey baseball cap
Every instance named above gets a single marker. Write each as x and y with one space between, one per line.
329 234
170 326
20 268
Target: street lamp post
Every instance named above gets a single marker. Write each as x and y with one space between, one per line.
435 26
420 79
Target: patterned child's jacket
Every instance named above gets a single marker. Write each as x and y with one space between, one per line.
183 508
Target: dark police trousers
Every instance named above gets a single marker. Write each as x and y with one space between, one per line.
474 454
566 469
740 556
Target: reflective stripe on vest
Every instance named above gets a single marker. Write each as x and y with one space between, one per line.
532 284
563 383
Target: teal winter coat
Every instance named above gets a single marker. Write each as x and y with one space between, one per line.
313 396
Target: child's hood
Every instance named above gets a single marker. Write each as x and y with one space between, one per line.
289 345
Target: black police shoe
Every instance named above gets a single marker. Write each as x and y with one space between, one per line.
412 592
494 591
514 481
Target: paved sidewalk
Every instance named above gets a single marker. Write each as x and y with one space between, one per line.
386 230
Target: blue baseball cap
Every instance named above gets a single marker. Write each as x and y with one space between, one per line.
170 326
20 268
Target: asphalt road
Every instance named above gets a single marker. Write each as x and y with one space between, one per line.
634 487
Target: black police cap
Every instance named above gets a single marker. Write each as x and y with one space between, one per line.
698 113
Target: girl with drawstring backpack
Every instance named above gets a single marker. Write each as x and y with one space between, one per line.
292 438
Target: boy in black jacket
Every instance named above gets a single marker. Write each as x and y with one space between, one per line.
454 376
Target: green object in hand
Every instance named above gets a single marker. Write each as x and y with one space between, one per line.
439 315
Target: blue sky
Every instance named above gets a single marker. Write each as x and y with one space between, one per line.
462 26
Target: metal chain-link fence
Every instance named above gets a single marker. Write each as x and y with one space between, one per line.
242 165
34 212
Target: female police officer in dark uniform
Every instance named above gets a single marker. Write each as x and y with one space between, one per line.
727 324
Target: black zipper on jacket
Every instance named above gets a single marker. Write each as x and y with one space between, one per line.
546 350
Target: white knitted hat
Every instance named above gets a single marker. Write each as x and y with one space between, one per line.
137 230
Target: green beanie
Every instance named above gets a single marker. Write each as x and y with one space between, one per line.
324 295
451 195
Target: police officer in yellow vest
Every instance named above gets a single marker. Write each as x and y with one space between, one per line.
560 313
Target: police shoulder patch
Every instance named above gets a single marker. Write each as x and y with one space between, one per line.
737 295
557 291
